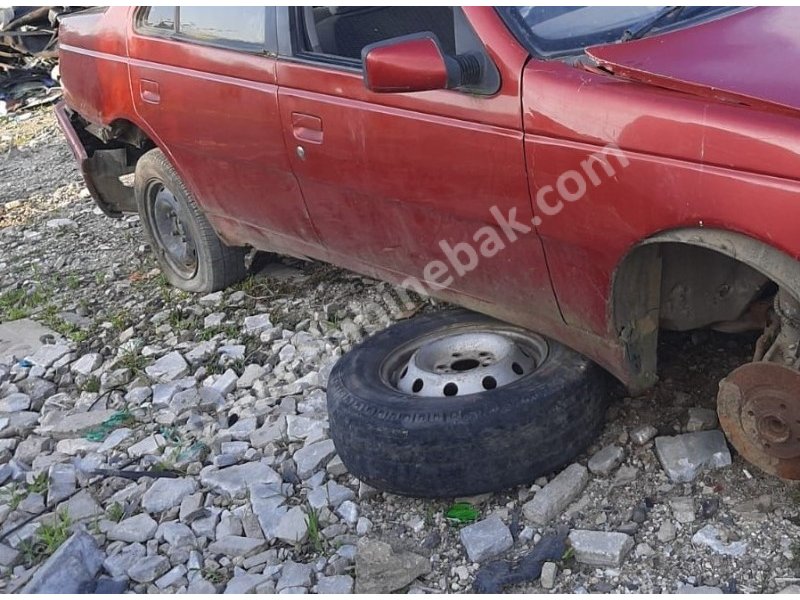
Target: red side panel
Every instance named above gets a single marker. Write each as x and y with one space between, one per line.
93 63
691 162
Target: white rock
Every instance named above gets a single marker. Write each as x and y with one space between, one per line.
139 528
172 577
551 500
74 446
336 467
114 439
15 403
245 583
348 510
666 533
642 435
117 565
62 483
251 373
167 493
363 526
486 539
606 460
298 428
226 382
60 425
149 569
62 224
177 535
169 367
292 527
234 545
201 352
683 509
269 433
336 584
600 548
684 456
255 324
212 299
47 355
152 444
234 480
709 536
313 456
214 320
548 576
294 575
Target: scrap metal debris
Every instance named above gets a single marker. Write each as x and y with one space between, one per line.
28 56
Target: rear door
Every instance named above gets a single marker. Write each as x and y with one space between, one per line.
391 180
203 79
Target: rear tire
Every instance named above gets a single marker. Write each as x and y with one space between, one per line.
191 254
467 444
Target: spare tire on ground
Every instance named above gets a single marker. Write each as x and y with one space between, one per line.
457 403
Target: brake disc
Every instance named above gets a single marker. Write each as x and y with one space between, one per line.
759 410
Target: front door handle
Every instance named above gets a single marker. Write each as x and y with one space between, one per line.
149 91
307 128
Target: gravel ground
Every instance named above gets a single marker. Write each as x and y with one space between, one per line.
227 392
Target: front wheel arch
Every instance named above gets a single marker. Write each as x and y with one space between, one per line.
635 307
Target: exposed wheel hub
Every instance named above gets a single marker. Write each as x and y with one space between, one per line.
759 409
172 234
456 364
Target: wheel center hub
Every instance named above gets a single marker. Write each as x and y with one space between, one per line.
759 409
772 419
467 363
172 235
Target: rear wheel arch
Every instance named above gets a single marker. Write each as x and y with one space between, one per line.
128 132
636 309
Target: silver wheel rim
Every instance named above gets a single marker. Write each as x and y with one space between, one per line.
464 360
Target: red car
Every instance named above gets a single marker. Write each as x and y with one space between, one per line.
591 174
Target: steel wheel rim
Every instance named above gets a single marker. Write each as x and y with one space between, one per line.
173 235
464 360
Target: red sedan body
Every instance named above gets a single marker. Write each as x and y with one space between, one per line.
298 157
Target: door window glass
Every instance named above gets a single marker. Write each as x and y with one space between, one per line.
219 23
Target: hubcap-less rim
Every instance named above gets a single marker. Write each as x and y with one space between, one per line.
463 361
172 234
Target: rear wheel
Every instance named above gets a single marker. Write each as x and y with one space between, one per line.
458 403
191 255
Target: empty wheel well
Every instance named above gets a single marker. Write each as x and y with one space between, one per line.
113 151
690 279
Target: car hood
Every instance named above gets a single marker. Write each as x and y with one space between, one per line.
747 57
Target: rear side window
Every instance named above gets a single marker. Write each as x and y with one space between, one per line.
160 17
240 27
219 23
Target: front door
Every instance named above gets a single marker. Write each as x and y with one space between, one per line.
399 184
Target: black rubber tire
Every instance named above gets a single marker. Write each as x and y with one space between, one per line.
449 447
218 265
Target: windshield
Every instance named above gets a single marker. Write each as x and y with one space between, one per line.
564 30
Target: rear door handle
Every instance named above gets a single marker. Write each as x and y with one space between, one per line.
307 128
149 91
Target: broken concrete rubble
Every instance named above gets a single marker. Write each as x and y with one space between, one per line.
684 456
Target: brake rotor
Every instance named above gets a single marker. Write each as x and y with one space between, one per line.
759 410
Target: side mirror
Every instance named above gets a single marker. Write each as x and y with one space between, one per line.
415 63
